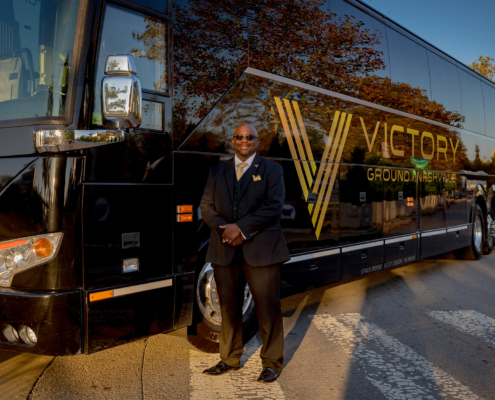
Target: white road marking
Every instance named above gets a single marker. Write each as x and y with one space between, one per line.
468 321
392 367
239 384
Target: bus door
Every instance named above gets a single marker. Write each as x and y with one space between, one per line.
128 198
361 220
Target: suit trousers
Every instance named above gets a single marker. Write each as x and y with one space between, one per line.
264 284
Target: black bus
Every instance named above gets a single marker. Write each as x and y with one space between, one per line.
112 113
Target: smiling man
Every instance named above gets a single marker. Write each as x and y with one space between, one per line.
241 204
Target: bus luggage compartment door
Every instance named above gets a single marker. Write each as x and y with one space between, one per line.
457 238
400 250
362 259
309 271
432 243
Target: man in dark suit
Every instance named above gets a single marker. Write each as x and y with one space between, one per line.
241 204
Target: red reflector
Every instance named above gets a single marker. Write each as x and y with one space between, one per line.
184 218
184 209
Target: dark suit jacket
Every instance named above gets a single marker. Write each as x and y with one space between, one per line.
258 212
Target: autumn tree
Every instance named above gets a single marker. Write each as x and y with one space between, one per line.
485 66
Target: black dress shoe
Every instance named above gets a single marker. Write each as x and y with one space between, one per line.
268 375
219 369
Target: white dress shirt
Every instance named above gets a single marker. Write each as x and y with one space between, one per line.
249 161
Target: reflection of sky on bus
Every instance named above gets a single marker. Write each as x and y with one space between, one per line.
464 30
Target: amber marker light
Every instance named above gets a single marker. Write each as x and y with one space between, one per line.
415 236
107 294
184 218
42 248
184 209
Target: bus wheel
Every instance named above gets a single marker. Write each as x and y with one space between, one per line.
475 250
488 243
208 317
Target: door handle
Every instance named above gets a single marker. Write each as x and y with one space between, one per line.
364 254
401 246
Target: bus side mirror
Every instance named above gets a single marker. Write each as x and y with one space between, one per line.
121 93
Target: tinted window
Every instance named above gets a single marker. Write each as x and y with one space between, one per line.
372 27
287 38
144 37
472 103
489 102
408 62
445 85
302 40
36 40
152 116
210 52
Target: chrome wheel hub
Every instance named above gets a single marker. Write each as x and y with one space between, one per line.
478 233
207 296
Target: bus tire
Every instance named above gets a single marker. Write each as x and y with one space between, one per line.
205 332
474 251
488 242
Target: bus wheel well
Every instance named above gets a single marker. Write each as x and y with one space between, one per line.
481 202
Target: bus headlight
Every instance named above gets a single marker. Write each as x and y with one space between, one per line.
22 254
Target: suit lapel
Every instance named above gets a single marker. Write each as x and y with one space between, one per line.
248 175
229 176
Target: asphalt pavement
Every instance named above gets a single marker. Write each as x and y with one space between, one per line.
423 331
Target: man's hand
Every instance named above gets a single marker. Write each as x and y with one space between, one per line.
231 233
238 241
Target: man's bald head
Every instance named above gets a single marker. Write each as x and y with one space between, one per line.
245 129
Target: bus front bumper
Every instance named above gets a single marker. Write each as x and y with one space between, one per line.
54 321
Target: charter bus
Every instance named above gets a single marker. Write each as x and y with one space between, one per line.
112 113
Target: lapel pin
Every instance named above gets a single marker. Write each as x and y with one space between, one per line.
256 165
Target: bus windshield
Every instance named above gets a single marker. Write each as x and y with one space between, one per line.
36 50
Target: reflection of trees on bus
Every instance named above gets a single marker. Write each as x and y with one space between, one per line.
153 39
212 48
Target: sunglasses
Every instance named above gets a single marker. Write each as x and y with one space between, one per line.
248 137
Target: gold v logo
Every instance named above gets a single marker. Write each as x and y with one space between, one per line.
319 180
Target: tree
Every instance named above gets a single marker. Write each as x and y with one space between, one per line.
485 66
